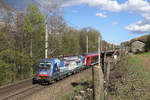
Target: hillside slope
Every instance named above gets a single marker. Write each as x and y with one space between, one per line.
131 80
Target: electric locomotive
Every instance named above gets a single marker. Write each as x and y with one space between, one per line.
49 70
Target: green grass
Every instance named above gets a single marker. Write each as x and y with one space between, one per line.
83 84
135 81
71 94
144 54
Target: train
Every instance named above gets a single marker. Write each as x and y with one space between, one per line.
50 70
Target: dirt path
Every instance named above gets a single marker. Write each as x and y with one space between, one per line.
145 60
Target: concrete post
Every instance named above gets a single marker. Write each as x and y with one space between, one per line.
46 41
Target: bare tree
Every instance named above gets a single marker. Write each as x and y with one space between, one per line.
3 5
53 22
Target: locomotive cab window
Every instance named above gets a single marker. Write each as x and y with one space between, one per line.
44 66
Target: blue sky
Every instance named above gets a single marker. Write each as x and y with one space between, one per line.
117 20
111 28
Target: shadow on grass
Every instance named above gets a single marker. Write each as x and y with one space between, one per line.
84 84
74 84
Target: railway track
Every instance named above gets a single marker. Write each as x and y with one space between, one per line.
60 88
24 89
20 94
13 88
21 90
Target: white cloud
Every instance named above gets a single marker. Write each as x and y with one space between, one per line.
102 4
102 15
141 7
139 27
114 23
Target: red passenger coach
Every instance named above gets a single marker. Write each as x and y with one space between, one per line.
91 59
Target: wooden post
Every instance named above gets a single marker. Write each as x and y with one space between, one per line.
87 44
98 78
108 71
98 81
102 62
99 51
120 52
105 65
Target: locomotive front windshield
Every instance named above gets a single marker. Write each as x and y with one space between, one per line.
44 66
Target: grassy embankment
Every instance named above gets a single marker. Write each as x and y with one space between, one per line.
77 87
131 80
